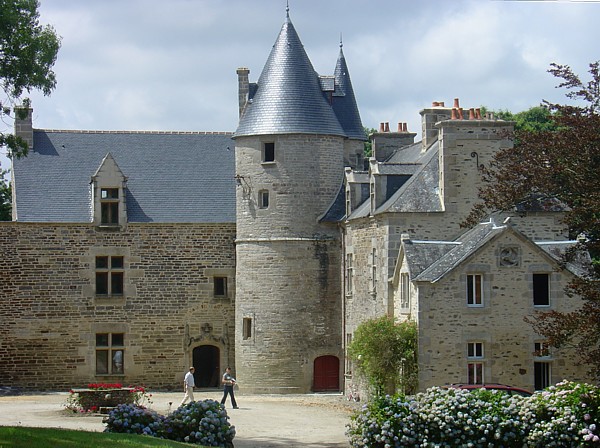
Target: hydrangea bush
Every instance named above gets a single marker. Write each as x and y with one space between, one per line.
199 422
566 415
134 419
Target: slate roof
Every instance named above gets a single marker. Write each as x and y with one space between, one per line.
288 97
344 102
172 177
429 261
420 193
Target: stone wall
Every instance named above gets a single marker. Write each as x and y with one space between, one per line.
50 313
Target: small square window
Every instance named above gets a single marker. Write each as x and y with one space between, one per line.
475 349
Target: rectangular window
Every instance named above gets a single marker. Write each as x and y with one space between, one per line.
541 375
110 350
349 274
263 199
348 360
247 328
541 289
269 152
374 271
109 206
475 372
475 290
404 290
475 349
109 275
220 286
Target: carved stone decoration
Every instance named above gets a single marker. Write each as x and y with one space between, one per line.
509 256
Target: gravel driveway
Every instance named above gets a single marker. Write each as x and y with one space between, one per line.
262 421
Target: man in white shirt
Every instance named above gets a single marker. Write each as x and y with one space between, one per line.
188 386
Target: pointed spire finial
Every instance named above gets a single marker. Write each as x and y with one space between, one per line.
341 41
287 9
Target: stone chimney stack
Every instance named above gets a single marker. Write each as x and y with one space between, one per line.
243 88
429 117
24 125
385 142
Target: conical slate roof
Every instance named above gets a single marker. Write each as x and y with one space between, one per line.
288 98
344 102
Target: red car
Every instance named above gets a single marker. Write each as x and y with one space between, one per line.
492 386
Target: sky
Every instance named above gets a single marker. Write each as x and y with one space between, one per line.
170 65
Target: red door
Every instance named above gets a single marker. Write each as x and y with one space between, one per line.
326 374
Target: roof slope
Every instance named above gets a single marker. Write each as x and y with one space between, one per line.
344 102
288 97
172 177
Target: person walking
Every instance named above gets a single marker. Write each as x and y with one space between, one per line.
188 386
228 382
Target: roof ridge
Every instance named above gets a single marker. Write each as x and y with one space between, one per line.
87 131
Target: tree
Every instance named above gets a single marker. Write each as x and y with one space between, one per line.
385 354
537 118
5 199
28 52
557 167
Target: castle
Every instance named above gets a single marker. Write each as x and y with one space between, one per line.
134 255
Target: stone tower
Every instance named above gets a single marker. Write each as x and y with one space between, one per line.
291 148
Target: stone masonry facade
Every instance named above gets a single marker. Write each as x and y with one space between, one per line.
51 315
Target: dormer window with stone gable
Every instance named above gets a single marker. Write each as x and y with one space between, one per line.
108 195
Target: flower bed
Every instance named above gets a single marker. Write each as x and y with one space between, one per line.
99 397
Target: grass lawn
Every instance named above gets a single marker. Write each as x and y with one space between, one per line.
20 436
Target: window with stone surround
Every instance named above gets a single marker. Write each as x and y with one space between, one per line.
110 353
110 275
263 199
374 271
349 274
475 290
541 289
268 152
542 371
247 328
475 362
220 286
404 290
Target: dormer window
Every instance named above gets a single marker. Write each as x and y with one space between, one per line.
108 187
109 205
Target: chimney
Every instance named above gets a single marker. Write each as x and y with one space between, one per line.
24 124
243 88
387 127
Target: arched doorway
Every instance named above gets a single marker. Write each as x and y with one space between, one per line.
206 362
326 374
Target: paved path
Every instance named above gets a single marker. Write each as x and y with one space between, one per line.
263 421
